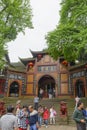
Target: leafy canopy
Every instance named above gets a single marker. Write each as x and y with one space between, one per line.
70 36
15 16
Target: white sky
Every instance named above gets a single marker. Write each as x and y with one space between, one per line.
45 19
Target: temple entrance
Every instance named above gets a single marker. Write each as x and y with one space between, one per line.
79 89
46 83
14 89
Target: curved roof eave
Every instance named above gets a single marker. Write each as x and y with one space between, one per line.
25 61
35 53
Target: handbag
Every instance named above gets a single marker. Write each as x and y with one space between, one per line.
27 121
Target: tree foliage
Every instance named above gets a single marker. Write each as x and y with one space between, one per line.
15 16
70 36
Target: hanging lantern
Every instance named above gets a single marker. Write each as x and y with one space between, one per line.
65 62
30 65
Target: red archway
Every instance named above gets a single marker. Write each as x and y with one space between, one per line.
46 82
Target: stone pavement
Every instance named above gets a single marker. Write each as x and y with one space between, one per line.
58 127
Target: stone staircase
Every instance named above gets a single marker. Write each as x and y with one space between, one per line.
50 102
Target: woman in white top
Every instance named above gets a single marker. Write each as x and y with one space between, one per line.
52 115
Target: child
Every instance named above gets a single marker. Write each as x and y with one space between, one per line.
52 115
46 116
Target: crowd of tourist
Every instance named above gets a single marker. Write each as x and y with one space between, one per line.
32 117
27 117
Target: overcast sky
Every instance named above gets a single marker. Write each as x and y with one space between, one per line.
45 19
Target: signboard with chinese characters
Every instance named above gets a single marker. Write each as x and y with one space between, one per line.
77 74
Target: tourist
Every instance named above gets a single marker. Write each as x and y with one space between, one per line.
50 93
79 117
9 120
33 119
36 102
77 99
53 114
41 93
46 116
18 106
40 115
54 92
22 116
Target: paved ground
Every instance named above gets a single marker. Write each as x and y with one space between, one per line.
58 127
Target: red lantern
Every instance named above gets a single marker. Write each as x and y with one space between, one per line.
65 63
30 65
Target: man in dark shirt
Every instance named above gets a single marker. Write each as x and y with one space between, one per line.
79 117
33 119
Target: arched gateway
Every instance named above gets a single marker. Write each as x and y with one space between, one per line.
79 88
46 82
14 89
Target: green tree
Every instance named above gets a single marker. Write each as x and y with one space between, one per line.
15 16
70 36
